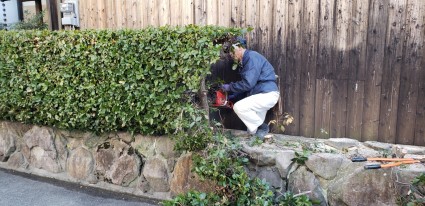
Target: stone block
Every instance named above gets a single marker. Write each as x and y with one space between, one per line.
151 146
304 181
283 161
7 143
325 165
155 171
17 160
80 164
342 143
124 170
260 156
42 159
184 179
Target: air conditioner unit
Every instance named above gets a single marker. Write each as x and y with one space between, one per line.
69 9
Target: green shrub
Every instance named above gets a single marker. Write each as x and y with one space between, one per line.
193 198
35 22
224 163
134 80
416 194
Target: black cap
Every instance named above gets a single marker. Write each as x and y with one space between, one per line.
240 40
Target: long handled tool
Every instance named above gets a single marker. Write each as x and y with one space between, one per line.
393 162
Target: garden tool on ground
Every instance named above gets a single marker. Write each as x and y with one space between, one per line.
221 100
393 162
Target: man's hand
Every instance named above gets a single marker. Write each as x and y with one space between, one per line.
232 96
225 87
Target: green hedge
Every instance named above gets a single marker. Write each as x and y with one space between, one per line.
101 81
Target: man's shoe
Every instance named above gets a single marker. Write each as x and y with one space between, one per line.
262 131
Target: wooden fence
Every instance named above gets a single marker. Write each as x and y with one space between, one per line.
348 68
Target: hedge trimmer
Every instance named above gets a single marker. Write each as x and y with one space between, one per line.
221 100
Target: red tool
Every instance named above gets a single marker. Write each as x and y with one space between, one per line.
393 162
221 100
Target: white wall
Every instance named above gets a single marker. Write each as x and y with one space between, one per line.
9 12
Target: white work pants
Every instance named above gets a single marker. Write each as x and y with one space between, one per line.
252 110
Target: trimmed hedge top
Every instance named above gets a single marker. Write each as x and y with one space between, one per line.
101 81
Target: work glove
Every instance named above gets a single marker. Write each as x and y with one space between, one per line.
236 96
225 87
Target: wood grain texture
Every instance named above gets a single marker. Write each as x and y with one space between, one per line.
391 72
252 20
378 19
293 65
278 59
411 65
325 43
355 99
309 27
322 112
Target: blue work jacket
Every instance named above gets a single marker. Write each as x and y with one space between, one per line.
257 74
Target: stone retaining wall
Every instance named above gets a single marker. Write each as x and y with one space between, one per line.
149 167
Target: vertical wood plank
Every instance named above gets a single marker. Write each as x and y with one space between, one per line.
252 15
224 13
176 14
358 37
293 64
85 14
357 67
309 32
355 101
111 15
101 10
391 71
164 12
187 9
38 6
238 13
420 111
265 27
132 14
142 13
342 23
338 108
55 14
278 54
119 14
93 14
153 13
125 14
212 12
200 12
409 81
322 112
325 59
378 18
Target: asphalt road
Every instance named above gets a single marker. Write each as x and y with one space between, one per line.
23 189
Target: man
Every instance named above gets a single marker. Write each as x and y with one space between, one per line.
258 83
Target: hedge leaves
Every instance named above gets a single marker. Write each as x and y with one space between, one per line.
101 81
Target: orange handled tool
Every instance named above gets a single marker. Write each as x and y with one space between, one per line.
394 162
